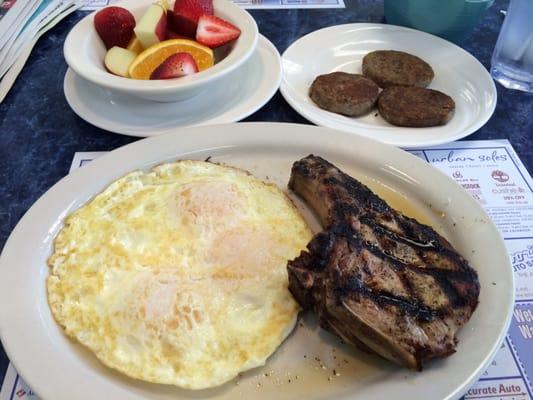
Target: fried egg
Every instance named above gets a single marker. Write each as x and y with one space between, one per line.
178 275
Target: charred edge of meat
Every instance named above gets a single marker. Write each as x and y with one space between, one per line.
361 193
320 247
300 168
303 280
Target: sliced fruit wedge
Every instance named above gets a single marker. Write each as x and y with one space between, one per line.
175 66
184 17
118 60
181 24
146 62
135 45
215 32
152 27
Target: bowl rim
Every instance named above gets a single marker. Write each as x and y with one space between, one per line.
82 65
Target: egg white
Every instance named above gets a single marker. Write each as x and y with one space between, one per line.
178 275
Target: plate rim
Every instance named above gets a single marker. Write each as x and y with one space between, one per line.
286 93
274 76
152 143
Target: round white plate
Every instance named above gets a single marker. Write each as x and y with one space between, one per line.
57 368
238 95
342 48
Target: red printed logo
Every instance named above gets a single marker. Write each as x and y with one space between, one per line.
499 176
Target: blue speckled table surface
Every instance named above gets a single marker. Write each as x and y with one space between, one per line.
39 133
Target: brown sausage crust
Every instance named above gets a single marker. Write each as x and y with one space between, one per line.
396 68
343 93
415 107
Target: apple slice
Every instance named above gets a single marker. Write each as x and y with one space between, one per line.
117 60
135 45
152 27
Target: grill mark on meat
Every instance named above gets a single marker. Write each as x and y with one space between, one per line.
431 244
441 276
412 307
375 277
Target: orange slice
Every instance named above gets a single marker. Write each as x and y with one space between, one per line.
145 63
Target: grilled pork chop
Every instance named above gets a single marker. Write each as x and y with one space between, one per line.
376 278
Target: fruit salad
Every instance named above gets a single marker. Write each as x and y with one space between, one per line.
165 43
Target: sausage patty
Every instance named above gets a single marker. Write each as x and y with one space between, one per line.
414 106
396 68
344 93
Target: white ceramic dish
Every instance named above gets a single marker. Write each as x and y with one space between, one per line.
342 48
240 94
56 368
84 53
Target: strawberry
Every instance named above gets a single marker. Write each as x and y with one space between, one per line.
214 32
182 25
184 19
175 66
115 26
193 9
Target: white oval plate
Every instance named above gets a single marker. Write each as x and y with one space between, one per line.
240 94
342 48
57 368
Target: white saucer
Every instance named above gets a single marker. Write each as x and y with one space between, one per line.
342 48
240 94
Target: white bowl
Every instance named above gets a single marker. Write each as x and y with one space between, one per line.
84 53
